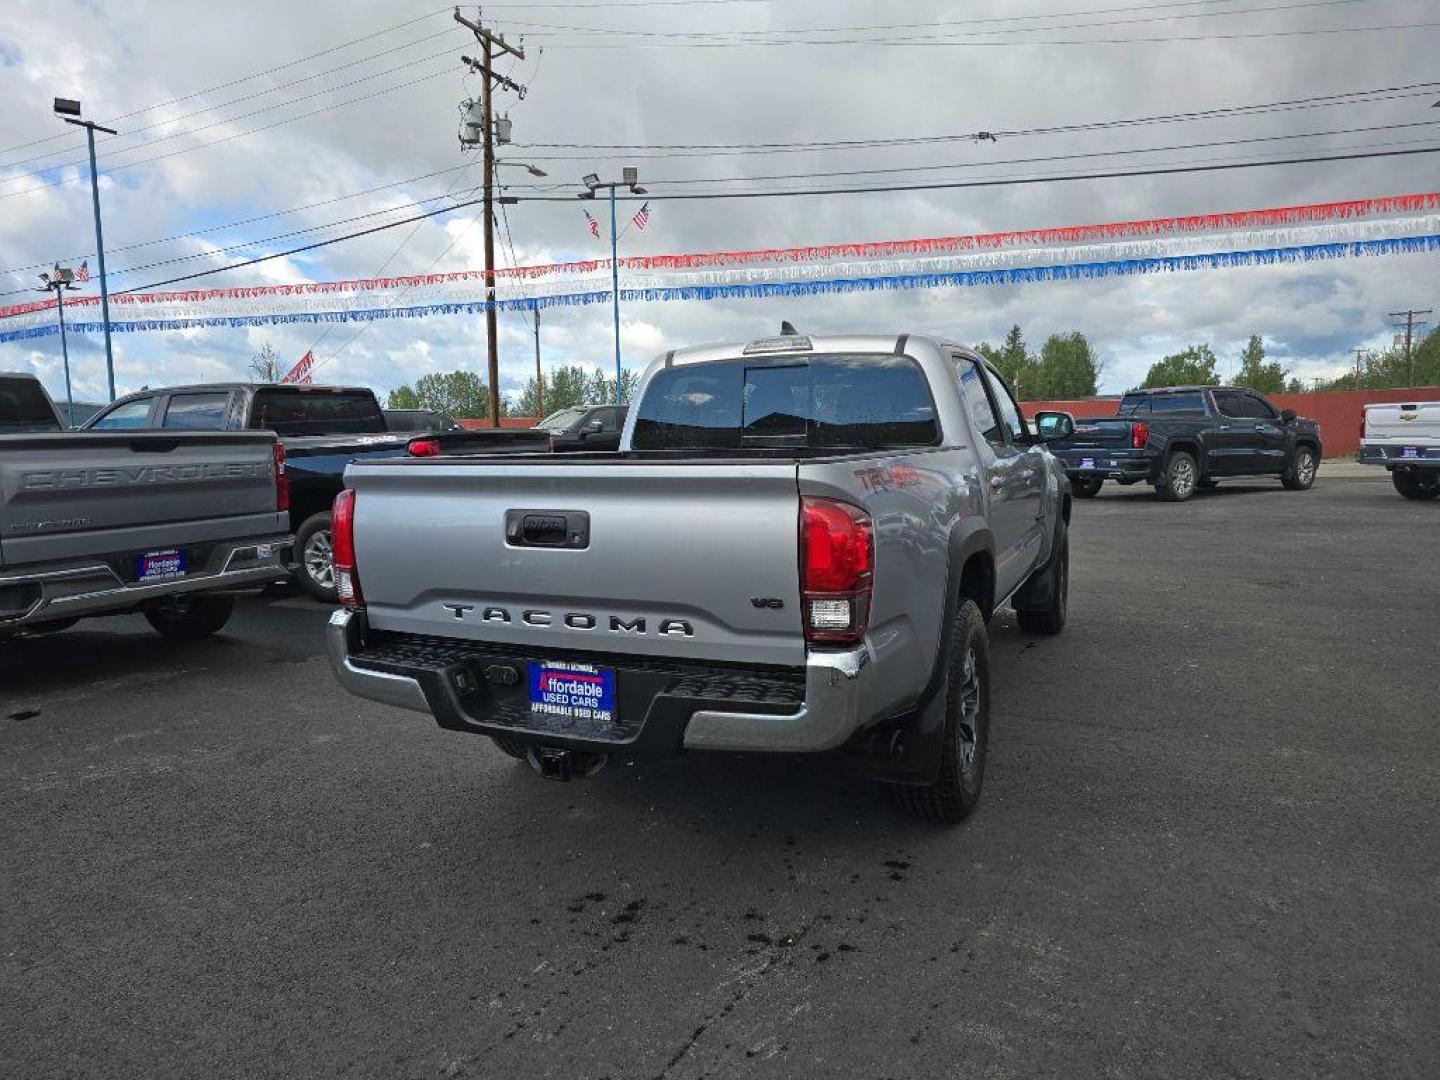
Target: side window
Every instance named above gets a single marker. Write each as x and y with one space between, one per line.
1259 408
611 419
132 414
1009 411
1230 403
977 402
196 412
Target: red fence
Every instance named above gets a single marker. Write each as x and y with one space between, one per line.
1339 412
505 421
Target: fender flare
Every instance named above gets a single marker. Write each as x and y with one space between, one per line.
921 728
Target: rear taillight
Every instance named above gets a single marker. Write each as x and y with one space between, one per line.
837 563
342 536
282 482
1139 434
424 448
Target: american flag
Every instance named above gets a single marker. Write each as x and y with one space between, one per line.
82 272
594 225
642 217
301 372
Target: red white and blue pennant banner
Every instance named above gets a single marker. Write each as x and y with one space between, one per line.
1323 231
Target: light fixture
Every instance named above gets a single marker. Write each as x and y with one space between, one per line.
535 170
591 180
631 175
638 190
67 107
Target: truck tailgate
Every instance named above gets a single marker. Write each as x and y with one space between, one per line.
675 557
1390 423
73 495
1098 433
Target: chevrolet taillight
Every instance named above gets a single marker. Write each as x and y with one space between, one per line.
1139 434
342 536
282 481
837 563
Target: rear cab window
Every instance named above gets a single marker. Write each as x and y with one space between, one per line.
829 401
24 407
306 412
1183 403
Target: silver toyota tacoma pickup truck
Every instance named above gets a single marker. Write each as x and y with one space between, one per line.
796 548
152 521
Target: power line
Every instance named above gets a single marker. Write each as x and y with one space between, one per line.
249 221
1350 97
237 135
244 79
932 27
912 41
233 119
111 148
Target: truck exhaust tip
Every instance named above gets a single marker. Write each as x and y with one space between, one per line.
556 763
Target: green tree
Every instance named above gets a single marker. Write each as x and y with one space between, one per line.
564 387
1014 362
1066 368
1194 366
1256 373
461 394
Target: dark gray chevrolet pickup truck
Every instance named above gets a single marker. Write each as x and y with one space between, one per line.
796 549
155 522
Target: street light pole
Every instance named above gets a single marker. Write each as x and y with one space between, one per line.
593 184
69 110
59 280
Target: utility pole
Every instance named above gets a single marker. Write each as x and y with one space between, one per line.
539 379
593 183
489 42
1359 367
1410 324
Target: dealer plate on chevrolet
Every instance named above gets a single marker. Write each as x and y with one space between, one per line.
579 692
159 565
1087 463
1409 453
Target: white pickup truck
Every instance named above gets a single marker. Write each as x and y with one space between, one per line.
1405 438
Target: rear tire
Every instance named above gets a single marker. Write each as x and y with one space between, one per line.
190 618
956 791
1300 476
510 747
1050 619
315 558
1087 487
1181 477
1416 485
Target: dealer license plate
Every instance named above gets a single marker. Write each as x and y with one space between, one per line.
574 691
157 565
1087 463
1410 452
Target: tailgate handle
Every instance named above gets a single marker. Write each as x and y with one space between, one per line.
548 529
153 446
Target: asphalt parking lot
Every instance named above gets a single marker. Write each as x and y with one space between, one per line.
1208 848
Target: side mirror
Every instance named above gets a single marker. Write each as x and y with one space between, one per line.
1287 416
1053 426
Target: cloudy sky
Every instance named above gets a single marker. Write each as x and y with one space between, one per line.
230 113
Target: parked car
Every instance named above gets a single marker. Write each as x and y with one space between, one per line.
122 521
586 427
654 600
1405 439
1183 438
419 420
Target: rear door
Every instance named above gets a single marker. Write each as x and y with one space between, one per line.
1003 467
621 557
